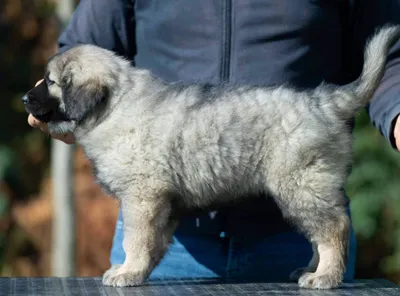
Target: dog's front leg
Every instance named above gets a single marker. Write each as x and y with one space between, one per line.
148 230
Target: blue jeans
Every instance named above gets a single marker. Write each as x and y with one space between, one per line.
205 255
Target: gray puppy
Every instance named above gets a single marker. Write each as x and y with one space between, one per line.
165 149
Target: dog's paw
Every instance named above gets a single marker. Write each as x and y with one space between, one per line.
320 281
119 276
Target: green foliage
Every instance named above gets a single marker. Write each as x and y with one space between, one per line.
7 161
8 174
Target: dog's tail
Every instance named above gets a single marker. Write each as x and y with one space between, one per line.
352 97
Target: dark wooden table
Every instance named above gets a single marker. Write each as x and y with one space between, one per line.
93 286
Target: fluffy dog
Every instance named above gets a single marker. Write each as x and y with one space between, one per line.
164 149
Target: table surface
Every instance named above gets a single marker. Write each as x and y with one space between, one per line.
93 286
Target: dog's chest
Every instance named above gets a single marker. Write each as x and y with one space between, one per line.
112 158
109 173
101 178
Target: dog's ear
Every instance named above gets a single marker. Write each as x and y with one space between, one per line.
79 101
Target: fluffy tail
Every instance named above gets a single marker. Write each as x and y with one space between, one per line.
352 97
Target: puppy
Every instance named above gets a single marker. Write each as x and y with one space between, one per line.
164 149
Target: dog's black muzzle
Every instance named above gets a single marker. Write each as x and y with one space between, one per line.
39 103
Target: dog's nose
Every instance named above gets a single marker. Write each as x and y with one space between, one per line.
25 99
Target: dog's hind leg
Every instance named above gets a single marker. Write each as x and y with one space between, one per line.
148 230
326 224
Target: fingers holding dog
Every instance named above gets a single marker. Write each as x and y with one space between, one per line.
36 123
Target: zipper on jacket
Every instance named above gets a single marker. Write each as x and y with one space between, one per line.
226 40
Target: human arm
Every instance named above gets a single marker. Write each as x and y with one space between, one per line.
106 23
384 108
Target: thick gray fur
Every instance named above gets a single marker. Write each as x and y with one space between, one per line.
164 149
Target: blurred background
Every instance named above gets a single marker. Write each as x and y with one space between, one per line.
28 36
28 159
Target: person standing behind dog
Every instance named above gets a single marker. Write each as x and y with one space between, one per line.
268 42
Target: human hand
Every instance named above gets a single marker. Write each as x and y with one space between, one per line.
35 123
396 132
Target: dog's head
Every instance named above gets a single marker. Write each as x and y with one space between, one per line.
76 83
